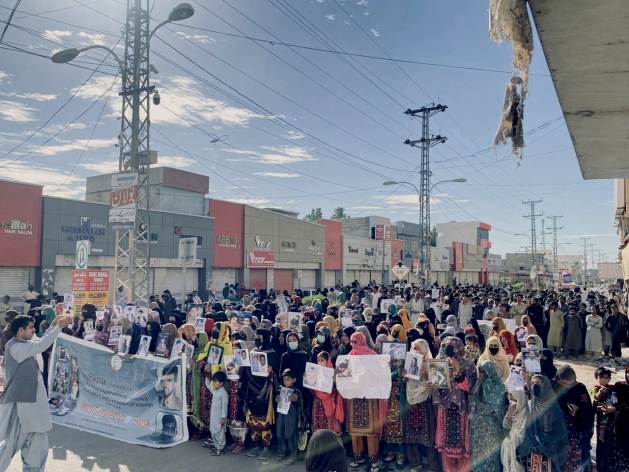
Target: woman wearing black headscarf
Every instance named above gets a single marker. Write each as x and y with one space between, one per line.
345 347
325 453
322 342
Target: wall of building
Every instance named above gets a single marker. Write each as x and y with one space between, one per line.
67 221
366 259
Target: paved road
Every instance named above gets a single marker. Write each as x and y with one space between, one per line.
72 450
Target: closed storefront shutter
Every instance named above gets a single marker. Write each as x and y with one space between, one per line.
63 280
308 279
283 279
220 277
13 281
257 278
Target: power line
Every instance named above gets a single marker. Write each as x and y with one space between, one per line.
8 22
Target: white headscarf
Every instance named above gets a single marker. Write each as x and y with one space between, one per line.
516 433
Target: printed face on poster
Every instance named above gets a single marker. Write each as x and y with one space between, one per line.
531 361
515 381
259 364
355 376
318 377
413 365
143 347
439 373
215 354
241 357
283 401
231 368
385 304
294 321
397 351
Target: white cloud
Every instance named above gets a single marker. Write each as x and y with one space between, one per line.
103 167
285 155
280 175
255 201
186 97
330 17
38 97
57 35
296 135
198 38
376 33
3 76
76 145
92 39
276 154
16 111
362 3
55 128
56 183
178 162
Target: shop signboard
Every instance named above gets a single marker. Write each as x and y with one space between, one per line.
123 197
260 259
90 286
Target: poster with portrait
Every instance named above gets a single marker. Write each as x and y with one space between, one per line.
413 365
397 351
294 321
259 364
282 305
231 369
318 377
162 347
177 348
194 312
510 324
531 360
124 343
199 324
68 301
137 400
385 304
215 354
515 381
88 327
114 335
141 316
241 357
143 347
128 312
439 373
346 318
354 376
283 401
117 312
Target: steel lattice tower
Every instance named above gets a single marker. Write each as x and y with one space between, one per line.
425 143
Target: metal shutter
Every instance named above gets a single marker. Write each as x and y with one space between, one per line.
14 281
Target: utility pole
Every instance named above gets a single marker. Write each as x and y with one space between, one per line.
585 258
132 257
532 215
425 143
544 236
553 230
592 245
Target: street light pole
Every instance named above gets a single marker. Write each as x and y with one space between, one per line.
132 256
419 196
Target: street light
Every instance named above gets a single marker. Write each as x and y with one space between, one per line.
419 234
183 11
132 256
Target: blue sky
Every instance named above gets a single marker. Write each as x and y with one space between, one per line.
336 126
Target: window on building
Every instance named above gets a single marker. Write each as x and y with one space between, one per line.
199 239
482 234
154 237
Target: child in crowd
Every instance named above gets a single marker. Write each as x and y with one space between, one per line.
218 412
604 401
287 425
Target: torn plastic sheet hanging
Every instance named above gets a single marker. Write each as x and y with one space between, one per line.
509 20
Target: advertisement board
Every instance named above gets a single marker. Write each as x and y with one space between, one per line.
260 259
90 286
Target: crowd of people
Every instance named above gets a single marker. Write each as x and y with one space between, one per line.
505 405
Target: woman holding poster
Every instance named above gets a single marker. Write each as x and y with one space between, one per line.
419 427
452 437
328 411
366 417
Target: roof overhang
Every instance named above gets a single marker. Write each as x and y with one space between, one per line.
586 44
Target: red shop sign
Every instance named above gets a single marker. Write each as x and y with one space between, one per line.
260 259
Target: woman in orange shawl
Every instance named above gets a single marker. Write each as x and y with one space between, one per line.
328 411
365 417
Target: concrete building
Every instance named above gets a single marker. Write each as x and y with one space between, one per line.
408 233
172 190
470 244
20 236
67 221
495 268
364 227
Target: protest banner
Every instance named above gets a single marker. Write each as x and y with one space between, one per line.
355 376
134 399
90 286
317 377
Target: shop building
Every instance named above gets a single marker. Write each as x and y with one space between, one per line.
228 242
20 236
470 244
67 221
333 260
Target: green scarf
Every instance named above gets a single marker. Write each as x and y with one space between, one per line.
202 342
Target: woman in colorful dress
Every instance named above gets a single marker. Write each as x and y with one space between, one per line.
392 433
495 353
328 411
419 423
621 462
235 419
452 437
365 417
487 412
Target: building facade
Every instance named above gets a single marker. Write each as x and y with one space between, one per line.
470 245
20 236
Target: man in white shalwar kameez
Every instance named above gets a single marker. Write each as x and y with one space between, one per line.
24 415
